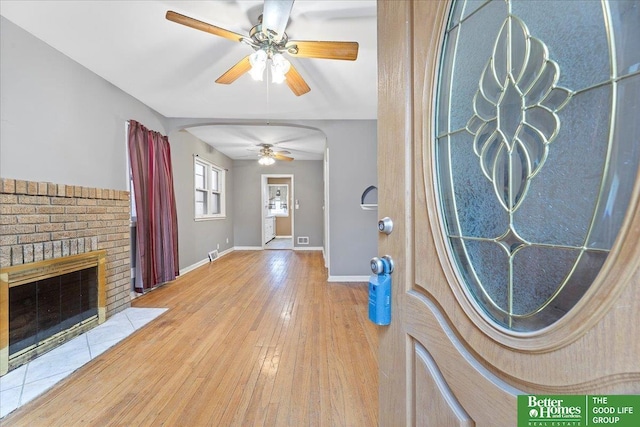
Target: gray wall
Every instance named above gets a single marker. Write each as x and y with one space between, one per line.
61 123
197 238
308 190
353 232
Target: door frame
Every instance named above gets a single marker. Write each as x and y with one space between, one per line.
264 180
325 209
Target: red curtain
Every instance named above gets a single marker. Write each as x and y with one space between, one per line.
157 221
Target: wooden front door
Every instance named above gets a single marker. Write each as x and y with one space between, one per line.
455 353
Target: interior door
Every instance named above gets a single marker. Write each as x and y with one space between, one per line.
467 334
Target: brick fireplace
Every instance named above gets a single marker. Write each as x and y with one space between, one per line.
42 221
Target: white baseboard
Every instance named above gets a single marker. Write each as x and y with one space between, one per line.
284 237
204 261
307 248
223 253
192 267
348 279
247 248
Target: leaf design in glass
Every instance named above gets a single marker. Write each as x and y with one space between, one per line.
515 111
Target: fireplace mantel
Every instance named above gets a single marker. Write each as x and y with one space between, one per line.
22 274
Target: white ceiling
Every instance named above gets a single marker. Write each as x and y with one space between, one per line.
242 142
172 68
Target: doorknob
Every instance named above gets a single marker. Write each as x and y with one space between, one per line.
390 262
382 265
377 266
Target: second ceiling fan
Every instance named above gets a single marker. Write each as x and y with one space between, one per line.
269 42
268 156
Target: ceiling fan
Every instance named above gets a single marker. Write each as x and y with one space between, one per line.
268 156
269 41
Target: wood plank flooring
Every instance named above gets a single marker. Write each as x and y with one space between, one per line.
253 339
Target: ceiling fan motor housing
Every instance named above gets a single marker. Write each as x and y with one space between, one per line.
267 40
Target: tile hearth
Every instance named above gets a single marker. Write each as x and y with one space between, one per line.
25 383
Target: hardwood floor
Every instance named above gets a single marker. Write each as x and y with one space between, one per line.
280 243
253 339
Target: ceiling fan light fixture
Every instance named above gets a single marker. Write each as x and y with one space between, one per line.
266 160
279 68
258 61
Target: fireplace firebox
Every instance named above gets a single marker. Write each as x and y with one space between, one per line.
44 304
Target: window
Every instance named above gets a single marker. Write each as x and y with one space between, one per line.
523 95
209 190
278 199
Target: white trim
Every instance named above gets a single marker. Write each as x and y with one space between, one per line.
325 209
307 248
248 248
192 267
204 261
225 252
348 279
264 181
284 237
209 167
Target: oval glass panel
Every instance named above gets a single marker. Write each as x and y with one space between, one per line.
537 149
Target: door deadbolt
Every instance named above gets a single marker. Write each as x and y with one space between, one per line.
385 225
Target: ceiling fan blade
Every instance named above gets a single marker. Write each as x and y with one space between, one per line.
325 50
275 16
295 82
234 72
282 152
203 26
281 157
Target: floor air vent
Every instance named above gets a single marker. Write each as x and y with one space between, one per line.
213 255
